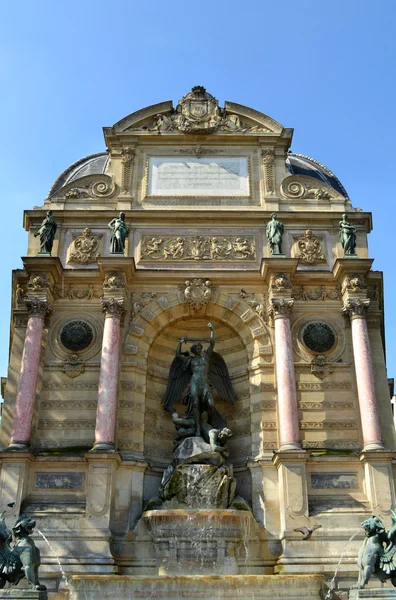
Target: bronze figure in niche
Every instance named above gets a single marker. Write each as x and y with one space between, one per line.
201 370
47 233
119 232
274 232
347 236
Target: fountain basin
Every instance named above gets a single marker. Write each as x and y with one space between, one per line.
197 542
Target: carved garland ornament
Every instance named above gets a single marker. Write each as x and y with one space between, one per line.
199 247
84 249
310 250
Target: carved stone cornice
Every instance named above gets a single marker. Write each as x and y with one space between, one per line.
38 307
281 307
356 308
113 307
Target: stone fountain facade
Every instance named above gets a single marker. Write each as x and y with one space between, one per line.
85 440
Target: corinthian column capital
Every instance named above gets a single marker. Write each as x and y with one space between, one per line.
38 307
281 307
113 307
356 308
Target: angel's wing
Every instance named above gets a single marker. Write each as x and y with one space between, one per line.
179 377
220 377
4 531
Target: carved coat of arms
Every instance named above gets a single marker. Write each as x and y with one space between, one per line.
197 293
198 112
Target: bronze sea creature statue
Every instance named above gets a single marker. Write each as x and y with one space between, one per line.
203 370
377 556
19 556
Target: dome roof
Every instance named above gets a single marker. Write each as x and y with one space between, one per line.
93 164
299 164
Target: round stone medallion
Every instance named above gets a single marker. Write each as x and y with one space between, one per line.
76 335
318 337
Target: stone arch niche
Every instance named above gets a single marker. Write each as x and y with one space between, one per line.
159 430
243 339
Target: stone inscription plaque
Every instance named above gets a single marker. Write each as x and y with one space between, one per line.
338 481
214 176
59 481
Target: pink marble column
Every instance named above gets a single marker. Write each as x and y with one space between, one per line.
108 379
28 375
371 427
286 382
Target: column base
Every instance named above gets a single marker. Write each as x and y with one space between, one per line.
373 446
290 447
103 447
18 447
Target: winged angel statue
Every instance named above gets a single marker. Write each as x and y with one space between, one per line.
203 370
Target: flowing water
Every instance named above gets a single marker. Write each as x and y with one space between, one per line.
56 557
329 594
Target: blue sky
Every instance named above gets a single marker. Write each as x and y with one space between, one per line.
326 68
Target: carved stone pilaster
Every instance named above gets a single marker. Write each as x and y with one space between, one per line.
281 307
127 158
38 307
356 308
113 307
269 170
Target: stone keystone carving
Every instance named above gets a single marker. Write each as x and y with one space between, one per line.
320 367
197 293
310 250
85 247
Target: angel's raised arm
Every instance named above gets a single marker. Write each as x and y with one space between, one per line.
212 339
179 347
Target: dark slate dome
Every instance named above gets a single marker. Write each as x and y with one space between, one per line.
298 164
93 164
